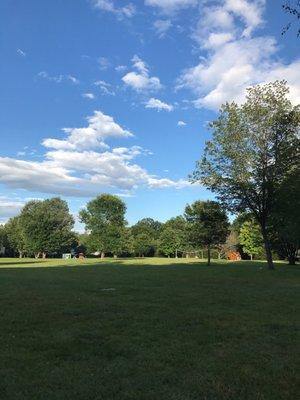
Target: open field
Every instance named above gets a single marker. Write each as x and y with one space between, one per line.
150 329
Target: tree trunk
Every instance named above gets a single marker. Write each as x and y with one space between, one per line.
44 255
115 256
251 257
102 254
292 259
208 255
268 249
37 255
20 254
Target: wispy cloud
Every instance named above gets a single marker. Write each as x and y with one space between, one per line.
126 11
58 78
21 53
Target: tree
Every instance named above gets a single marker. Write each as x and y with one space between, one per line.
169 242
3 238
253 148
15 235
104 218
142 244
150 229
46 226
251 239
285 219
293 9
207 224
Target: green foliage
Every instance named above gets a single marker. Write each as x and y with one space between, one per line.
251 238
15 235
46 226
207 224
252 150
169 242
104 219
286 217
143 244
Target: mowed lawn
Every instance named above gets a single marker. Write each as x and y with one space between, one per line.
154 329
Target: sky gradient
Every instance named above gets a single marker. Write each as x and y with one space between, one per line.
114 96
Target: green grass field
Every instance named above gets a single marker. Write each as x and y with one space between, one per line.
154 329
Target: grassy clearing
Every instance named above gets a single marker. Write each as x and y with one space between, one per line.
165 329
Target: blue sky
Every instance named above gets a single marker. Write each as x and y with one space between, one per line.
114 96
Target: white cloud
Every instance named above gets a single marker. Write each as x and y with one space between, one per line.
21 53
128 10
74 168
105 88
161 26
104 63
169 6
181 123
59 78
140 79
235 60
158 105
120 68
100 127
9 207
90 96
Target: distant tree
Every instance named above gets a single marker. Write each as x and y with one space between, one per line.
47 226
15 236
169 242
151 229
104 219
251 238
253 148
292 7
142 244
207 224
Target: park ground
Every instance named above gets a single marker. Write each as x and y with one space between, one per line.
149 329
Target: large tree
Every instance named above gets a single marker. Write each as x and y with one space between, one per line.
147 230
47 226
253 148
207 224
104 219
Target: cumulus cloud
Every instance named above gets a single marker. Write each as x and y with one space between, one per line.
100 127
126 11
181 123
72 167
235 58
140 79
158 105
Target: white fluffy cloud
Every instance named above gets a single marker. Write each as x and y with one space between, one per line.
235 59
74 168
140 79
181 123
158 105
100 127
109 6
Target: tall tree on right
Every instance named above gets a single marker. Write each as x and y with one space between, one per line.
254 147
